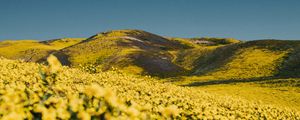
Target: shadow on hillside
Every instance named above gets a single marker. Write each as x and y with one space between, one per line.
232 81
291 64
156 65
289 68
214 59
223 55
152 57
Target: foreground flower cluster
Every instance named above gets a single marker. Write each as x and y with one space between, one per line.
33 91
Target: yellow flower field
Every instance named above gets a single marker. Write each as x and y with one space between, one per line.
30 91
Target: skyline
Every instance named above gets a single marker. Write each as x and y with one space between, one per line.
244 20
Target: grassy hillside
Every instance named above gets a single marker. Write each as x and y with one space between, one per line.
33 50
205 41
30 50
63 42
255 60
53 92
133 51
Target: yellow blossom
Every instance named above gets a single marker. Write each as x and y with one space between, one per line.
54 64
84 115
95 90
49 114
170 111
13 116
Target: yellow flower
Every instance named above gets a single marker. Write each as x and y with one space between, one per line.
13 116
75 103
54 64
95 90
39 108
111 98
133 112
170 111
49 114
63 113
84 115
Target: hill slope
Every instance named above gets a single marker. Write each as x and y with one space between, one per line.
33 50
249 60
261 58
133 51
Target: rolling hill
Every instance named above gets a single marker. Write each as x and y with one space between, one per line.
144 53
134 51
33 50
251 60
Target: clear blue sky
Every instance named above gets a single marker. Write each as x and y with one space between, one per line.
241 19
